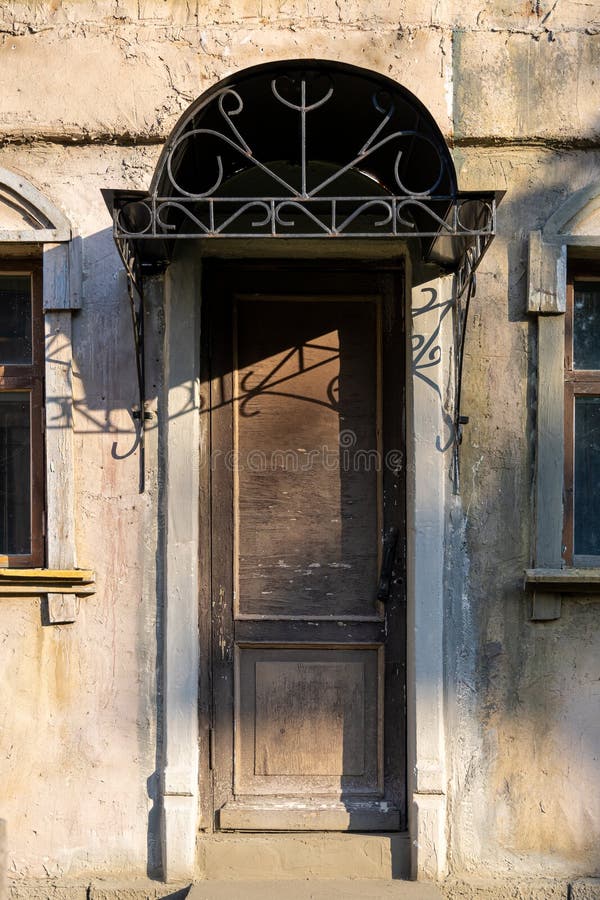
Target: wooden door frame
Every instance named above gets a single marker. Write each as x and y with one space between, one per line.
428 505
216 520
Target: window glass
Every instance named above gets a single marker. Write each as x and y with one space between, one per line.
15 320
586 325
587 477
15 472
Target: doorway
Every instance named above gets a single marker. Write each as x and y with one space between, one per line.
304 546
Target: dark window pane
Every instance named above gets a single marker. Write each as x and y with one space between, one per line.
15 473
587 476
15 320
586 325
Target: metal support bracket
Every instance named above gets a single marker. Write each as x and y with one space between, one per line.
135 292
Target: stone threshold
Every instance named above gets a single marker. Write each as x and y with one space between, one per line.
307 889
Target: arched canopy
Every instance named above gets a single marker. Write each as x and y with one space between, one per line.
305 148
299 129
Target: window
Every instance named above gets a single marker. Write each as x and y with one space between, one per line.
21 415
564 294
582 417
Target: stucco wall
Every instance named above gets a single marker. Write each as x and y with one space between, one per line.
88 92
523 704
78 705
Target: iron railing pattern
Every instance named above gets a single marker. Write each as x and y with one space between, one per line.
404 167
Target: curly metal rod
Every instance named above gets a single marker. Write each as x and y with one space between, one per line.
380 127
290 224
415 202
227 114
370 203
302 106
188 213
362 156
241 150
256 224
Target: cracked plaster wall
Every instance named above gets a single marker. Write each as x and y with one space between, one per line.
88 92
524 698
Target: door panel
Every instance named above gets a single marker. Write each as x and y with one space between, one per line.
306 394
309 721
305 658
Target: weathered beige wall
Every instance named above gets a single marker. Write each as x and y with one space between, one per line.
78 705
524 699
88 91
132 66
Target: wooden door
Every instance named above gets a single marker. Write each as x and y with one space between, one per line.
304 405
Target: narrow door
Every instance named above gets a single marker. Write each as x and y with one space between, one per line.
305 402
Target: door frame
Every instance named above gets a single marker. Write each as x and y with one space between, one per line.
185 747
329 281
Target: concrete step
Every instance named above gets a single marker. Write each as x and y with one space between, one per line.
302 855
342 889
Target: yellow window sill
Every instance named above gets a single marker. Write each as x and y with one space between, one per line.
44 581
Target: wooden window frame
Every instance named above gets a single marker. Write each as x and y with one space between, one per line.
578 383
30 378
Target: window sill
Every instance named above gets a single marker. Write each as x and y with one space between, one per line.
576 580
549 586
34 582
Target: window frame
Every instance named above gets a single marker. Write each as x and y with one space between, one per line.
30 379
570 237
35 233
578 383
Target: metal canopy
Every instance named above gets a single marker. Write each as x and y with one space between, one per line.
308 149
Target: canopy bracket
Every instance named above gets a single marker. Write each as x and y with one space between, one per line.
135 292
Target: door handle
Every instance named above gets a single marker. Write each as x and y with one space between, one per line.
387 564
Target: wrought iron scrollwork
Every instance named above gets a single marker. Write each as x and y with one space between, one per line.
296 200
135 292
236 142
288 154
333 216
427 354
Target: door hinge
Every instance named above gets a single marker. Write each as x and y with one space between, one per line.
211 748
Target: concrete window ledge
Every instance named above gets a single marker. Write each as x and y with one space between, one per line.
549 585
60 590
566 581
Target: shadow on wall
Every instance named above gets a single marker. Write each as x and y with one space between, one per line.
105 387
524 695
107 447
513 662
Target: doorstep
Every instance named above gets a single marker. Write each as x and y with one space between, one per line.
334 889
